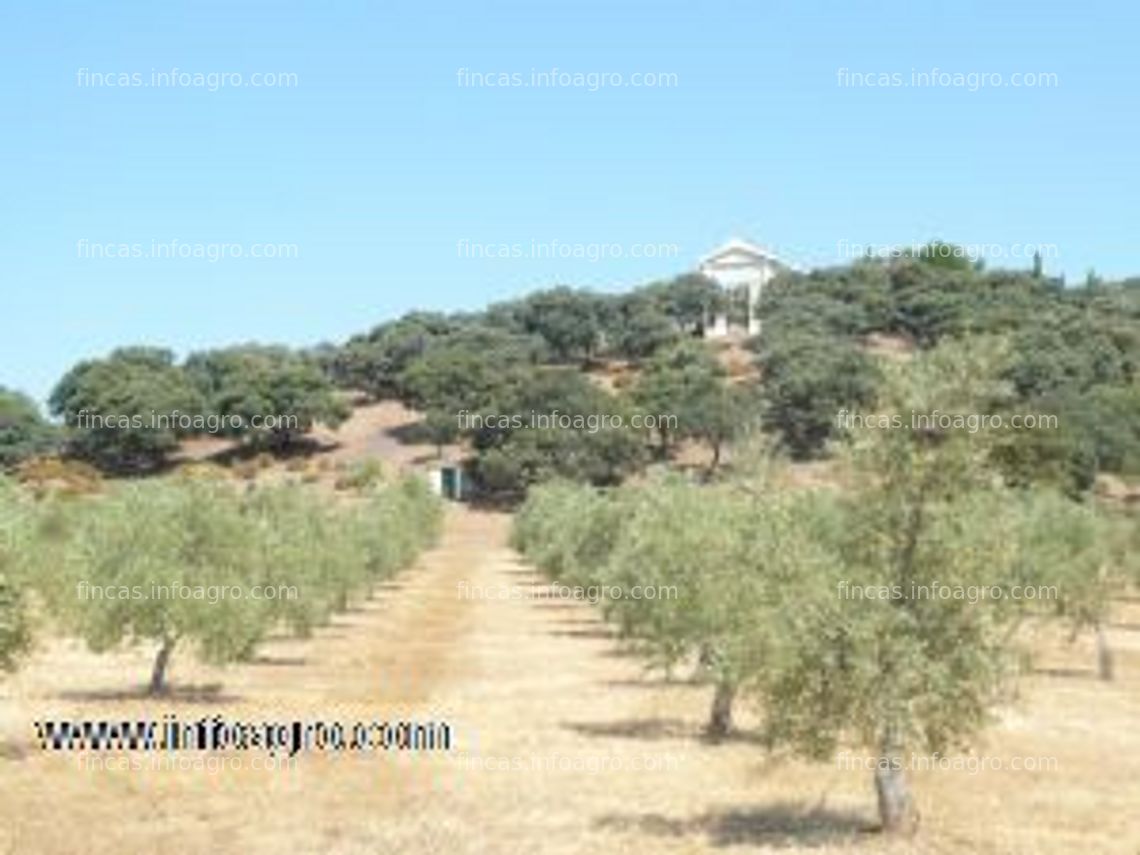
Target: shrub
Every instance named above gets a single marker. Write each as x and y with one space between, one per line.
361 475
204 471
47 474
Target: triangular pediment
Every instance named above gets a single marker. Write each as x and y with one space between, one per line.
738 252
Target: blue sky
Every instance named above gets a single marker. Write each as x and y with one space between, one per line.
383 155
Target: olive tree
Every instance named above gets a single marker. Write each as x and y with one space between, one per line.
884 649
165 563
686 544
1080 554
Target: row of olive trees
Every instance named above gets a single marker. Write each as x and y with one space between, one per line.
16 527
193 562
821 604
719 562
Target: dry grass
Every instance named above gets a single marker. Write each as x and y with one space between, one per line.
541 682
737 360
372 432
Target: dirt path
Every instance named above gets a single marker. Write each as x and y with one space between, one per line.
562 745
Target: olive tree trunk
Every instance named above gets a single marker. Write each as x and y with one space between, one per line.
1105 660
715 463
897 813
720 717
158 673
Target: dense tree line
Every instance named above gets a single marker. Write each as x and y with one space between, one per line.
557 326
1073 352
525 357
127 412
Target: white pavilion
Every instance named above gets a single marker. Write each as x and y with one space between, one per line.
735 264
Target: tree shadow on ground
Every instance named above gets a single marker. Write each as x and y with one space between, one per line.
597 634
554 604
659 729
13 753
621 653
658 683
649 729
411 433
190 693
303 447
495 504
344 619
391 586
1069 673
536 587
279 661
549 596
781 825
570 621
